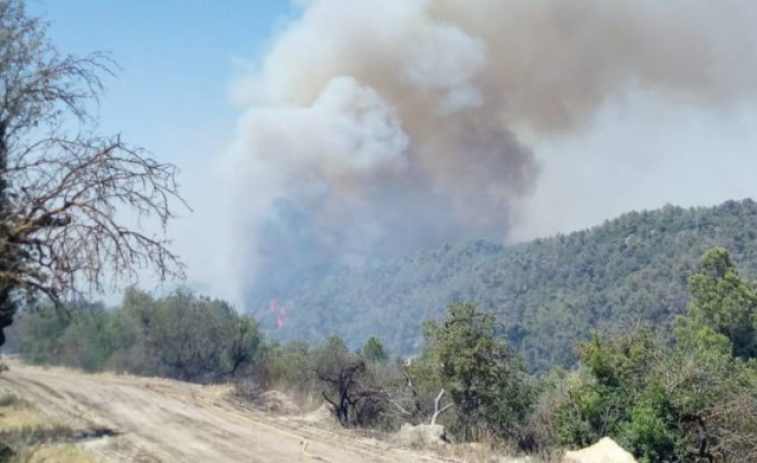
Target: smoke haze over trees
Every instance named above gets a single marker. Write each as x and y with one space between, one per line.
550 293
383 128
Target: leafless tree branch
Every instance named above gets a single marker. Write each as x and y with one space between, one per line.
64 189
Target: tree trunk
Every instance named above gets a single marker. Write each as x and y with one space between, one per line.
7 307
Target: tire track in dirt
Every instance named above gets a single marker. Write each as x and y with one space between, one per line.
163 421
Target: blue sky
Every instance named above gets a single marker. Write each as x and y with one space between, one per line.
177 59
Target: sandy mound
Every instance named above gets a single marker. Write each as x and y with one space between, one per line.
425 435
604 451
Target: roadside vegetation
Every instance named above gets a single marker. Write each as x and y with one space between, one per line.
182 336
688 396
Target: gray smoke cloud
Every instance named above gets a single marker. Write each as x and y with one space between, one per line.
377 127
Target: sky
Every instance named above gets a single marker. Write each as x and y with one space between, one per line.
173 95
177 59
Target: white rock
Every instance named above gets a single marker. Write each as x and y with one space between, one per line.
604 451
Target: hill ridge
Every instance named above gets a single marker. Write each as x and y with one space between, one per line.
551 291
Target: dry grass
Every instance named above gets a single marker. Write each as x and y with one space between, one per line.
305 400
492 453
16 415
62 370
34 437
54 453
20 422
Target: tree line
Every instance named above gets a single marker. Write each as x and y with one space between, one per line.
551 293
181 335
689 396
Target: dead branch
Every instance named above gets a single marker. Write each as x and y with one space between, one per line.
64 193
439 411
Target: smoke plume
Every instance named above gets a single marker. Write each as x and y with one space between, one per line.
377 127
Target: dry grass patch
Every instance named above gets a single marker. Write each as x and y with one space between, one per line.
54 453
491 453
20 422
16 415
36 438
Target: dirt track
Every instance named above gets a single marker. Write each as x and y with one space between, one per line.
164 421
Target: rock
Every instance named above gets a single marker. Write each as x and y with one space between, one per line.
425 435
604 451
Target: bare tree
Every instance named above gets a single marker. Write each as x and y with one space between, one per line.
62 185
345 382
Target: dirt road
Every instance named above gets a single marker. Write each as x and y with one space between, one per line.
165 421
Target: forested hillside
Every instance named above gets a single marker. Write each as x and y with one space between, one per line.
550 293
686 394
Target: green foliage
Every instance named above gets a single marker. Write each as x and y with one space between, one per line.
331 356
483 376
375 351
617 370
724 302
649 432
85 343
186 335
244 342
552 292
287 366
78 337
691 401
181 336
128 328
39 336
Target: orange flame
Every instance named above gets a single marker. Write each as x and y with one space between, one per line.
280 312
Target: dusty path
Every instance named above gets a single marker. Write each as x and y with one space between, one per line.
164 421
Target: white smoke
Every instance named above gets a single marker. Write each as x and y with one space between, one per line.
374 127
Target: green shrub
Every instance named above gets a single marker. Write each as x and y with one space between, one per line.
181 335
486 380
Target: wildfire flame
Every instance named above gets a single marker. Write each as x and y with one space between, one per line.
280 311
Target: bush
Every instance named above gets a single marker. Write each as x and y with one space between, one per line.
470 358
375 351
182 336
662 403
39 334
